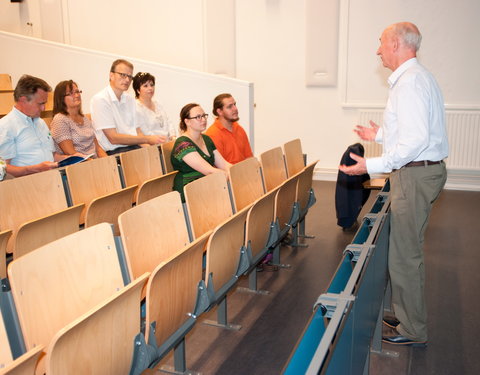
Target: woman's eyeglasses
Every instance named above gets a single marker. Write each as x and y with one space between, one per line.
199 117
72 93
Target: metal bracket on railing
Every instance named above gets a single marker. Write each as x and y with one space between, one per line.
328 303
382 196
356 250
370 218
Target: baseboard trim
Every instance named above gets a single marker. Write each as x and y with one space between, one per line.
457 179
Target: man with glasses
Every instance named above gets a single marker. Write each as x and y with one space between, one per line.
113 113
229 137
415 143
25 141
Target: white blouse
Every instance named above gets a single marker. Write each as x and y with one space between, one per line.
154 122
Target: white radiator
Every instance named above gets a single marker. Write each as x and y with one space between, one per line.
463 129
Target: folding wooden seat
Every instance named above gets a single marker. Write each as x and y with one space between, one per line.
102 340
141 165
25 364
208 203
4 236
155 187
305 197
152 232
166 149
57 283
260 233
6 102
227 260
273 168
293 156
107 208
5 352
5 82
99 180
176 297
33 234
36 205
246 182
286 214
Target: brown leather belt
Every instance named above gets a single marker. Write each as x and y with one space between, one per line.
422 163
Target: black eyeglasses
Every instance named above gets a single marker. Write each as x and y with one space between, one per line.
73 93
199 117
124 75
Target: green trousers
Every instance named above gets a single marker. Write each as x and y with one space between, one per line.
413 191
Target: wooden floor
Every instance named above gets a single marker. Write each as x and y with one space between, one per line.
271 324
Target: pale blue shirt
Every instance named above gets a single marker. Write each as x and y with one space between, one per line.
413 120
110 113
24 140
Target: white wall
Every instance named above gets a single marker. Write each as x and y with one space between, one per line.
175 86
164 31
271 53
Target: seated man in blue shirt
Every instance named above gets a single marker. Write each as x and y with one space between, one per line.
25 141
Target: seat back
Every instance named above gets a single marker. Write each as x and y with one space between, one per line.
141 165
259 218
5 82
273 168
223 250
25 364
284 201
58 282
155 187
208 202
304 185
92 179
4 236
106 209
246 182
6 102
166 149
293 156
28 198
152 232
102 340
33 234
172 289
5 352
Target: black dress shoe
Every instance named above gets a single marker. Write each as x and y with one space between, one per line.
391 321
398 339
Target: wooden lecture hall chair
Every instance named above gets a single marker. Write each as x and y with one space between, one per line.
143 168
97 184
35 208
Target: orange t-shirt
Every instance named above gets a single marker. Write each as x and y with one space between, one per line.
233 145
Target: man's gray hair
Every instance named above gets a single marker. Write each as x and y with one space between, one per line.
409 34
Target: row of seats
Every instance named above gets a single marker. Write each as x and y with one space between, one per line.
84 270
86 193
99 191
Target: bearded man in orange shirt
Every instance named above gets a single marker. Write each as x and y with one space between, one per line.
229 137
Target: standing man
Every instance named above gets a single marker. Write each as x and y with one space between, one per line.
229 137
414 145
25 141
113 114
